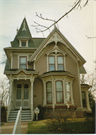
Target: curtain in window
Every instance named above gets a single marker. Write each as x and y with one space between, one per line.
59 91
68 92
49 92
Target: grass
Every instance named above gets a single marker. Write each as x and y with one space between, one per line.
77 125
38 127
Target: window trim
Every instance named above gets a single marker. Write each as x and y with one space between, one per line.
60 91
20 61
60 64
49 92
51 64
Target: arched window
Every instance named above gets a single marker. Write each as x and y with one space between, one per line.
59 92
18 91
68 93
26 93
84 99
49 92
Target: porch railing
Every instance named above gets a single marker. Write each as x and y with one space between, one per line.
17 127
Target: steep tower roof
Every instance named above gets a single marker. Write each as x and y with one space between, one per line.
23 34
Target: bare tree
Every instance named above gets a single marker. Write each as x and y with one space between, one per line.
4 91
90 79
77 4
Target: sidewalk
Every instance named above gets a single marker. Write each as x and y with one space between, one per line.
7 128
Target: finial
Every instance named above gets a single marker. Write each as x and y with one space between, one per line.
17 30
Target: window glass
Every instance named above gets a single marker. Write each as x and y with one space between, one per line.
68 86
60 60
51 64
49 92
83 99
59 97
51 67
26 93
68 98
60 67
23 62
60 63
59 91
18 93
51 60
23 43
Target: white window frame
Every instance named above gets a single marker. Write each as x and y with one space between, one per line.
22 55
20 43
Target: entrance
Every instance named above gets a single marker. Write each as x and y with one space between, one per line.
22 95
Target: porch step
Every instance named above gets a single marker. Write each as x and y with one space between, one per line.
25 115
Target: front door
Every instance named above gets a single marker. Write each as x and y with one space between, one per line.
22 95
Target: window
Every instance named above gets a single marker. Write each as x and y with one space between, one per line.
23 62
68 94
49 92
59 92
60 63
18 91
83 99
23 43
51 63
26 91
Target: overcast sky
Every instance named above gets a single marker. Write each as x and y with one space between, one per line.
74 27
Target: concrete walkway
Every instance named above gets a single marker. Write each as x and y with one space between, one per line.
7 128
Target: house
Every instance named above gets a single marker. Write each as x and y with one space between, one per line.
46 72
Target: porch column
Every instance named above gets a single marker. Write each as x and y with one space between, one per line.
10 90
32 113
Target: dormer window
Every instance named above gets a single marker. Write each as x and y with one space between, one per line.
23 43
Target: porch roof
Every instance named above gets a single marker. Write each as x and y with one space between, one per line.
16 71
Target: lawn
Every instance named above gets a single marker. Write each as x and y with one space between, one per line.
52 126
38 127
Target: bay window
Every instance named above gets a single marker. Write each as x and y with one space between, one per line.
84 99
60 63
49 92
23 62
59 92
51 63
68 94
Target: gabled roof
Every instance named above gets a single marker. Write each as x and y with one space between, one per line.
23 33
82 70
60 39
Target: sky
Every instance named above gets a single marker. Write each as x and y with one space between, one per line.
79 24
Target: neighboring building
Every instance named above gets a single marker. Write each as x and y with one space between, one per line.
46 72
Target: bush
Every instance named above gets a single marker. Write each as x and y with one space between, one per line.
61 124
3 114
